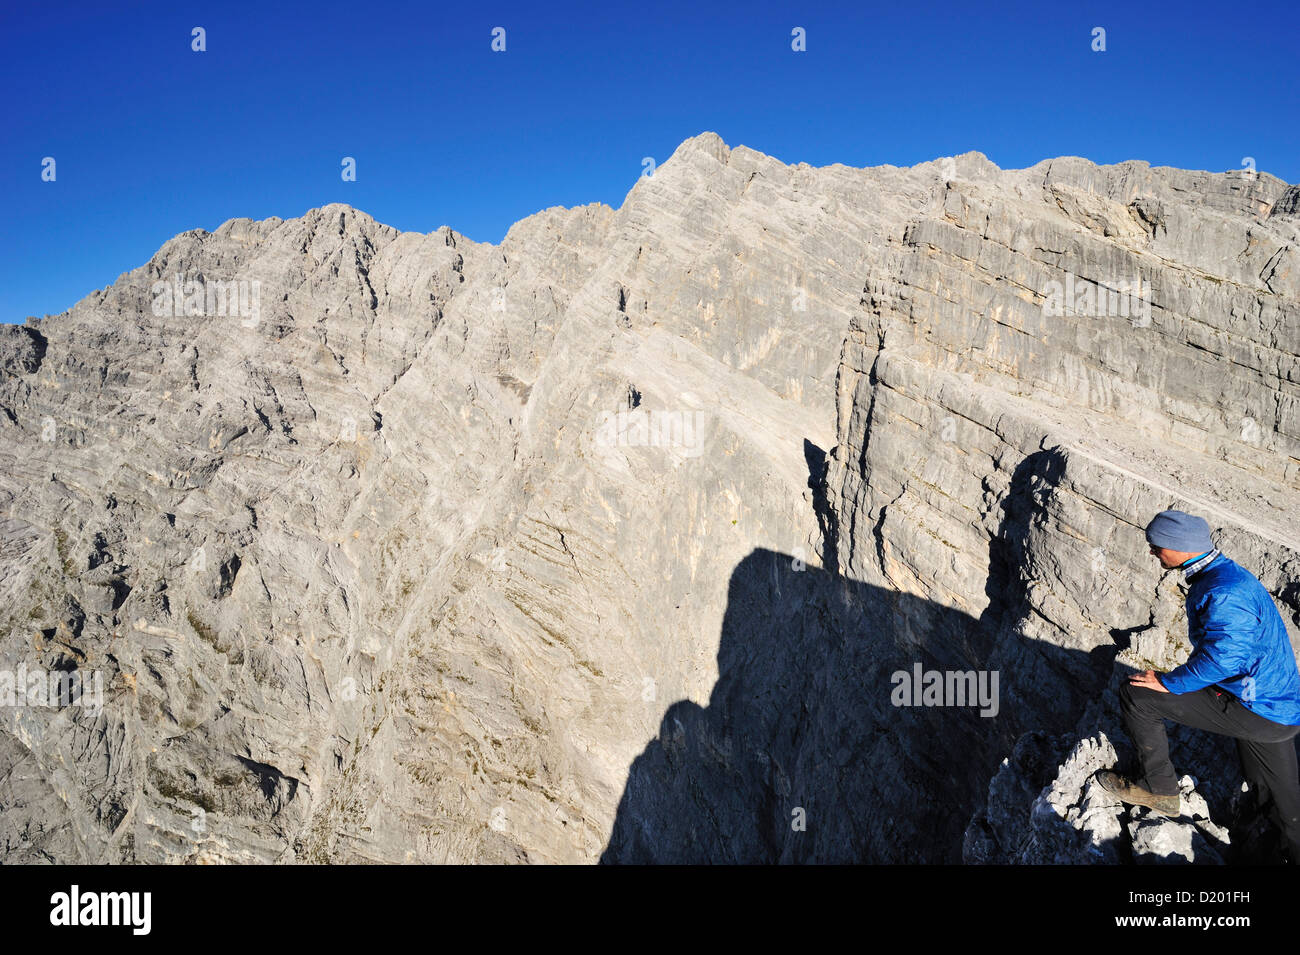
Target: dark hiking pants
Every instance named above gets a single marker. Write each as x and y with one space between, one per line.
1267 749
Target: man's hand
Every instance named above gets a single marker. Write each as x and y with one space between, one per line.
1147 679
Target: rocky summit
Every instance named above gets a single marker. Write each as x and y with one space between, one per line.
782 514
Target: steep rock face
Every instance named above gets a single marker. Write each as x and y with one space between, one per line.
1000 456
606 543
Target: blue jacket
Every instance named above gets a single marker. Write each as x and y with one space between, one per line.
1239 642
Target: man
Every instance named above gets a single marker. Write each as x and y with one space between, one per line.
1241 680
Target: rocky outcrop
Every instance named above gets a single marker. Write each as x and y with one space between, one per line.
1005 452
611 542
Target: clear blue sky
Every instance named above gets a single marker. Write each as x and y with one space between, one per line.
152 139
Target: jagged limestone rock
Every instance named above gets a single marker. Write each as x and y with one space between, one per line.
605 542
1072 820
1155 839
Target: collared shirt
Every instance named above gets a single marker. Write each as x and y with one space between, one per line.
1198 564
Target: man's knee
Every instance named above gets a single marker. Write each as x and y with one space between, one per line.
1140 699
1126 695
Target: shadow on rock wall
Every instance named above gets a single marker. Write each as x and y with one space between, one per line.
802 754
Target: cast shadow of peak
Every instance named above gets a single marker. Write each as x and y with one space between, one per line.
807 750
802 754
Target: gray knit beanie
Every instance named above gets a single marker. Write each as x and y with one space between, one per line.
1176 530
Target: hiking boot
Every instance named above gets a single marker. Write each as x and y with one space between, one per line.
1126 791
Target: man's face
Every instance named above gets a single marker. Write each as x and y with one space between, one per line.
1169 559
1160 554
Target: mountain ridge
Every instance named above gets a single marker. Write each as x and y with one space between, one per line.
367 581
